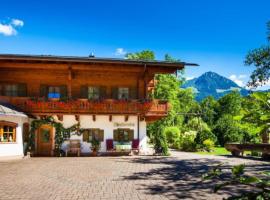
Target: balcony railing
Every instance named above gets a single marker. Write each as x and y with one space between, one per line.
84 106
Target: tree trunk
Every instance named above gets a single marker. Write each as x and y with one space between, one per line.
265 137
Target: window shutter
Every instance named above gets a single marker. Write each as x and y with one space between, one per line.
115 135
133 93
84 92
22 90
102 92
63 91
101 135
43 91
26 132
131 134
115 92
86 136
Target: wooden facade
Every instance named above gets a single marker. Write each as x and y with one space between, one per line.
25 81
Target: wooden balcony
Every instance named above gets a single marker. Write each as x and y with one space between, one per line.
153 108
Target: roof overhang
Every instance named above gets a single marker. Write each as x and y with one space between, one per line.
90 60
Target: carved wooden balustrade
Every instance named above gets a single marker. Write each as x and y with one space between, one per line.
84 106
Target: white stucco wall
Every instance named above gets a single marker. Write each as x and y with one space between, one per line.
16 148
103 122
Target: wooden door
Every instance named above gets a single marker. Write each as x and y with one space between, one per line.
45 140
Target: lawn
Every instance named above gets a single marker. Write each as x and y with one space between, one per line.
217 151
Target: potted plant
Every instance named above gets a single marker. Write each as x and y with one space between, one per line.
95 146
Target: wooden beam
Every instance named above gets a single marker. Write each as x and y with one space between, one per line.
60 117
126 118
77 117
94 118
110 118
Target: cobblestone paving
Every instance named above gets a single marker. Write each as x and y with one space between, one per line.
176 177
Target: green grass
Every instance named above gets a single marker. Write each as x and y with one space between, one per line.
217 151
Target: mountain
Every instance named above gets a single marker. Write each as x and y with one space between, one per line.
213 84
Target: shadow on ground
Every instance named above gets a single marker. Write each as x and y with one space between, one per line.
181 179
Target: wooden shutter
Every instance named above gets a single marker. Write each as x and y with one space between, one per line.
63 91
44 91
101 135
86 136
130 134
102 92
115 92
26 132
132 93
115 135
84 92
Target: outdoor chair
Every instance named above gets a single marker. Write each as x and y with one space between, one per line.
135 146
74 147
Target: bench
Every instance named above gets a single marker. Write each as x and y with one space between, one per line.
237 149
74 147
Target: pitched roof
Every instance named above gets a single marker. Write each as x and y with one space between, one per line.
4 110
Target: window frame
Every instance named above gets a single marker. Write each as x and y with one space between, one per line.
55 94
123 91
95 91
97 135
15 89
2 132
119 135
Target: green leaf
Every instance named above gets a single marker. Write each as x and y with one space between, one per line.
267 173
250 179
238 170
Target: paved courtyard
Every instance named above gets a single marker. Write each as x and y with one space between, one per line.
175 177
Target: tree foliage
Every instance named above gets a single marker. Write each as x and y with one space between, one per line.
260 58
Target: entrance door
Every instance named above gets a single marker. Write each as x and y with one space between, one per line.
45 140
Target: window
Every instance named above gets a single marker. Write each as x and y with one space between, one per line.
54 92
93 93
90 134
7 132
123 93
14 90
123 135
11 90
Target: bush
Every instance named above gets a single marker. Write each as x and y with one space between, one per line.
227 130
208 144
173 136
188 143
204 135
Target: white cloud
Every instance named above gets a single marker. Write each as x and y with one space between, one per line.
17 22
238 79
9 29
120 52
189 78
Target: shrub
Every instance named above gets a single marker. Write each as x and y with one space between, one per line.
204 135
173 136
227 130
208 144
188 143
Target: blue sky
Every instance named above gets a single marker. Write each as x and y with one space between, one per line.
215 34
